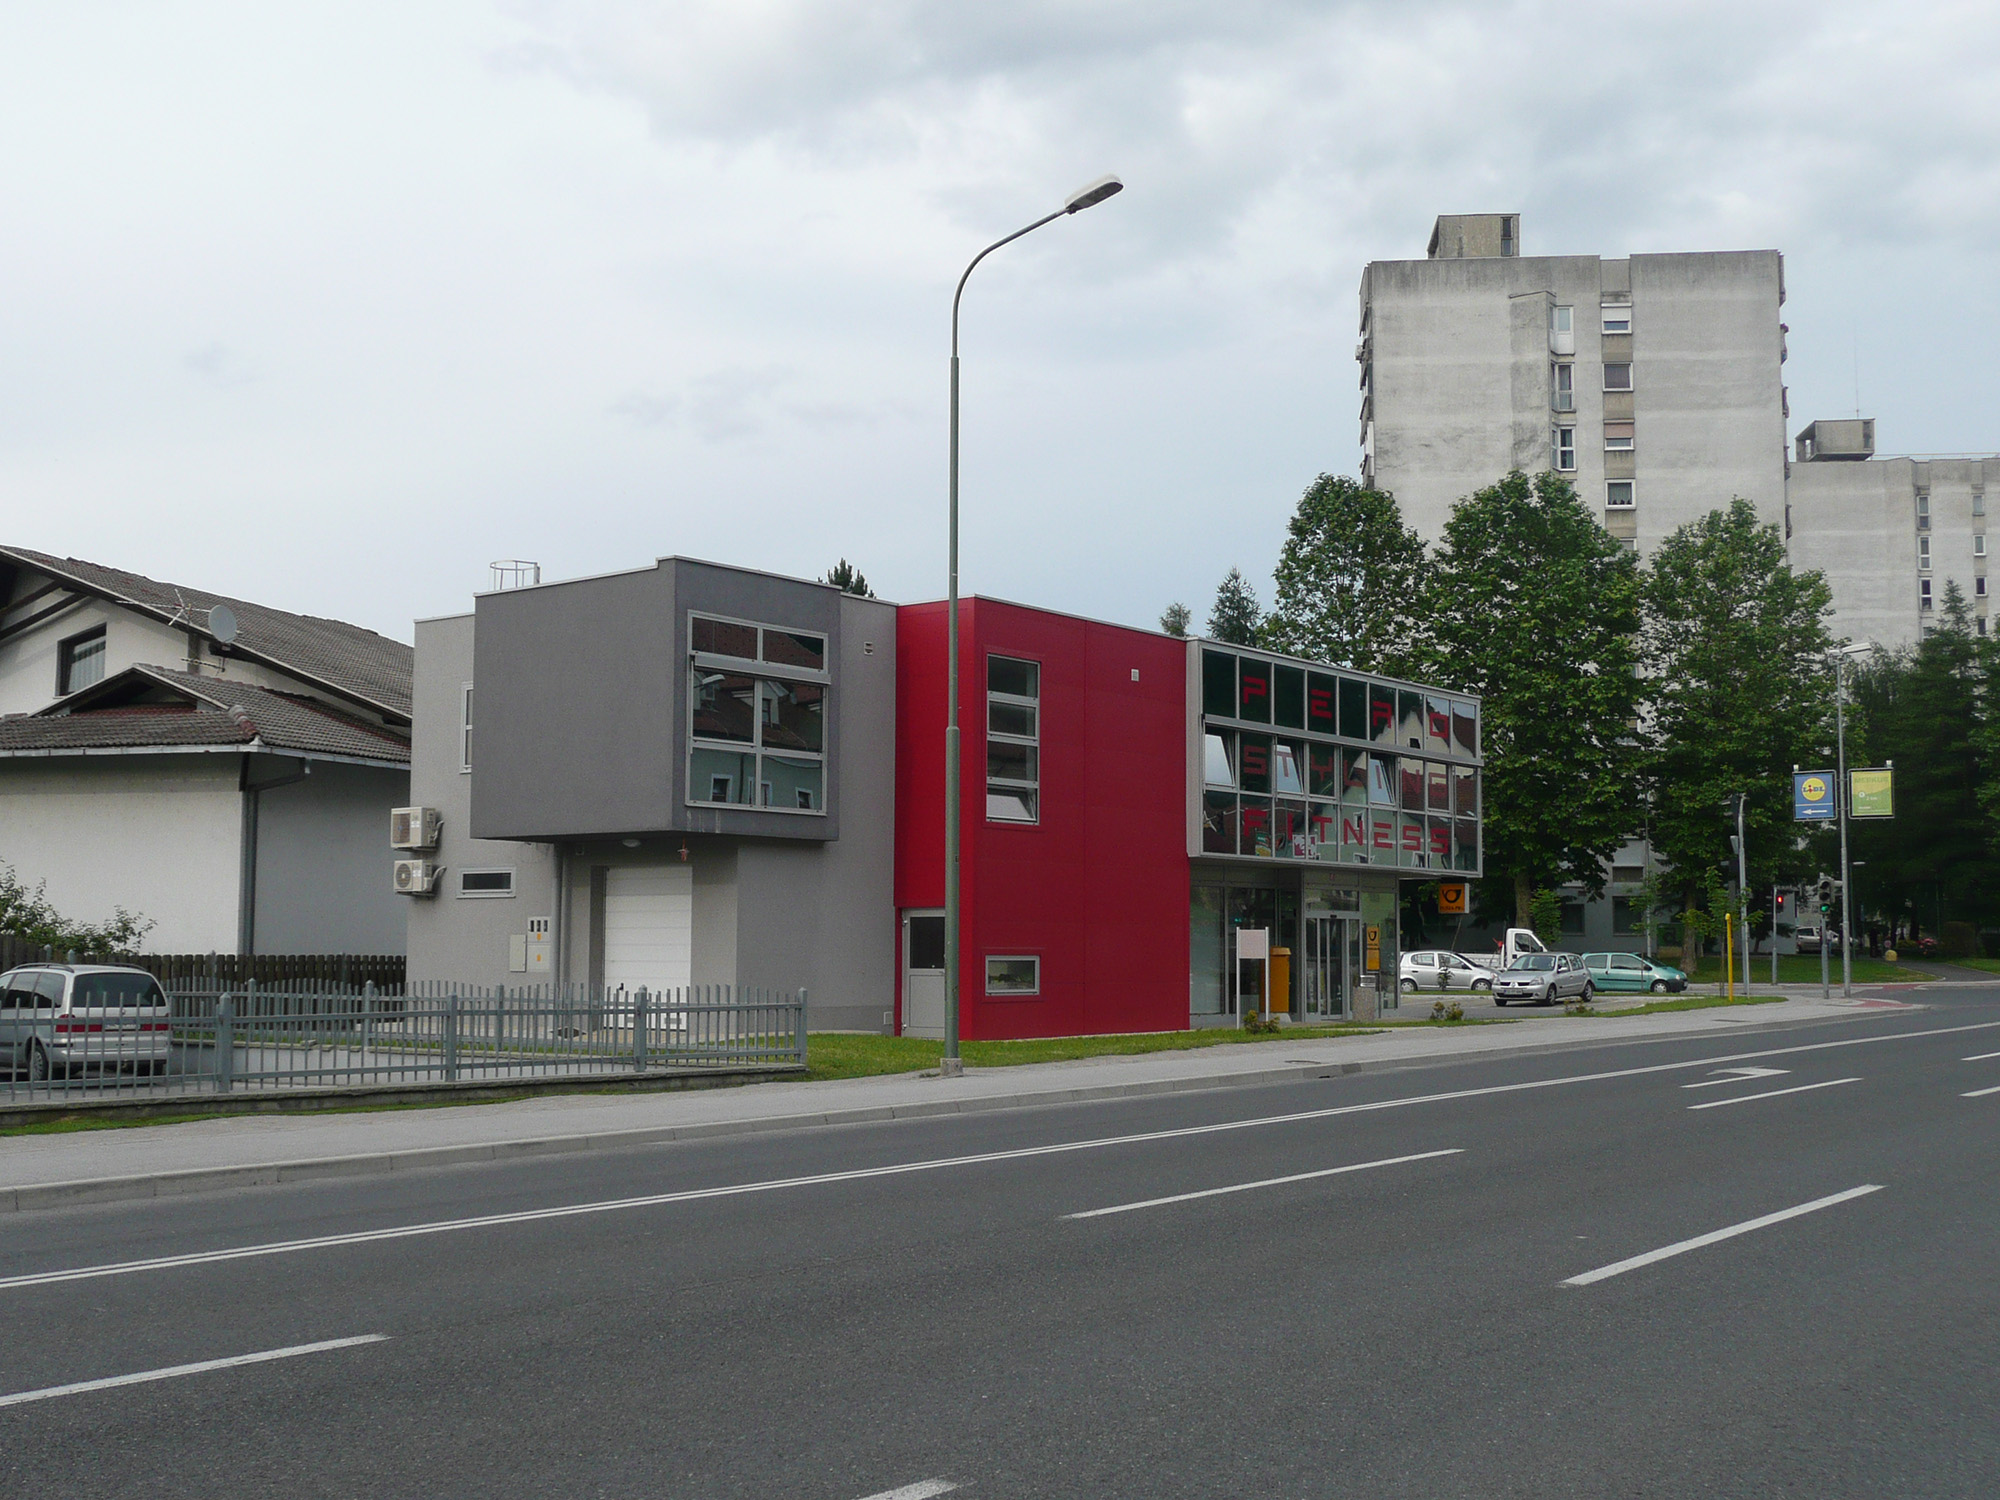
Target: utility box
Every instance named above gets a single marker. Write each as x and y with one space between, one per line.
414 827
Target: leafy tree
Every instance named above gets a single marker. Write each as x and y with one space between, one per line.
1176 619
1346 579
1236 615
27 915
1734 650
847 578
1531 605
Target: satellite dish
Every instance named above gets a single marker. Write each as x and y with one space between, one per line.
222 624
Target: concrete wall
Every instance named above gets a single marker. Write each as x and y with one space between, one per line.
1457 381
452 937
323 856
161 836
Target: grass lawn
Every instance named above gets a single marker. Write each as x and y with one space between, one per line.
837 1054
1985 965
1691 1002
1796 969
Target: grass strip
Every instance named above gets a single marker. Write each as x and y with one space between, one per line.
836 1054
1803 969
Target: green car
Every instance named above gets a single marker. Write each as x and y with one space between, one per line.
1626 973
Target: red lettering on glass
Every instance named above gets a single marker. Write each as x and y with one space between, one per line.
1440 843
1353 831
1383 836
1253 687
1413 838
1256 761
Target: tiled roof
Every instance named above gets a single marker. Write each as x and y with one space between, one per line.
203 713
354 661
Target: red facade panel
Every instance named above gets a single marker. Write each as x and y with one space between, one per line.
1097 889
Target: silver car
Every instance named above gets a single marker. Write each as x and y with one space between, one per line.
60 1019
1434 969
1544 979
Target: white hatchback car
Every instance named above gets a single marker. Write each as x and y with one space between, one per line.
59 1019
1435 969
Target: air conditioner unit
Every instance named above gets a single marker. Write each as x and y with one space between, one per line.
417 877
413 827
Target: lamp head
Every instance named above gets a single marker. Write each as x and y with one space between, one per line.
1092 193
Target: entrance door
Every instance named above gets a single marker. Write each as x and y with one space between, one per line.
1327 969
923 974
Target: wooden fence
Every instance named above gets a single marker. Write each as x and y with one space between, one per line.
299 971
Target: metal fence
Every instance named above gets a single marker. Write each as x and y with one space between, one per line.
253 1039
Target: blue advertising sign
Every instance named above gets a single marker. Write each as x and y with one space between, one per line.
1812 796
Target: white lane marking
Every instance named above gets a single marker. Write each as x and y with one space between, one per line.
286 1247
1981 1093
1666 1252
1244 1187
1803 1088
1737 1075
1980 1057
174 1372
923 1490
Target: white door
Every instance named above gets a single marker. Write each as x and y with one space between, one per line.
648 926
923 974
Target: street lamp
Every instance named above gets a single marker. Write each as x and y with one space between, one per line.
1087 196
1840 660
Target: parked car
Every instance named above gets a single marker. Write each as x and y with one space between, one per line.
58 1019
1808 937
1628 973
1433 969
1543 978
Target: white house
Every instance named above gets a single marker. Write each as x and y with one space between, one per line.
220 767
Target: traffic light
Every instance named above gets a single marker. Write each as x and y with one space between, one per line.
1825 894
1781 903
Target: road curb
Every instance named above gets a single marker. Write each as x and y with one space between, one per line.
182 1182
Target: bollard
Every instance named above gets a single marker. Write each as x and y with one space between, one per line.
225 1044
639 1020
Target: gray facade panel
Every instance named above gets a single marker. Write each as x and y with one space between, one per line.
323 860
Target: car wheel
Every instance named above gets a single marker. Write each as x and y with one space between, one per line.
1589 992
38 1065
1548 998
1659 986
1409 986
1486 985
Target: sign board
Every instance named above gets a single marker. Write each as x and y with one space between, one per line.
1871 793
1451 898
1371 938
1253 942
1812 796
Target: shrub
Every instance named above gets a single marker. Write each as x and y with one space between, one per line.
1958 940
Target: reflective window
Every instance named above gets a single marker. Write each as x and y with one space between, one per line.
1020 679
1324 770
1218 749
1254 763
1013 748
1013 976
1218 684
1008 761
1354 709
1254 827
1354 777
1465 845
794 714
788 648
1218 823
1382 715
1003 717
1253 690
1287 774
1289 697
1411 730
1382 780
1465 791
1437 725
1322 703
1465 726
721 776
757 739
1323 821
724 707
724 638
1439 779
1412 789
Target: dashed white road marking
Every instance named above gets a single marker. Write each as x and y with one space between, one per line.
1737 1075
1681 1247
922 1490
174 1372
1244 1187
1980 1057
1803 1088
1981 1093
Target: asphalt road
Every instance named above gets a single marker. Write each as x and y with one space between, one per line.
839 1313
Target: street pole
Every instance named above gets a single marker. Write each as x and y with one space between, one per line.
1743 887
1840 796
1774 936
952 1065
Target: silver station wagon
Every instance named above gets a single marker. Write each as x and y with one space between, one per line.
62 1019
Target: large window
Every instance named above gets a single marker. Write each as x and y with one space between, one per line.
80 662
1014 975
1618 377
1013 740
757 716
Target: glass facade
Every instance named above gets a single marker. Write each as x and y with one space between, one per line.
757 705
1304 764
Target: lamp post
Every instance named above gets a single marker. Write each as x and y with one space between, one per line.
1840 661
1084 197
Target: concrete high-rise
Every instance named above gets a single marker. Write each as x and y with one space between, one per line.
1655 382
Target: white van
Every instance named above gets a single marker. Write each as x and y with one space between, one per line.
62 1019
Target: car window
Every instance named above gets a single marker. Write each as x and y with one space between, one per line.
1627 961
1593 960
117 990
48 989
1537 962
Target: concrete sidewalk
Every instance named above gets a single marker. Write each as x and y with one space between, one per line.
164 1160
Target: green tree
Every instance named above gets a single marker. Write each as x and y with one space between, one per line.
1347 579
1734 651
1176 619
847 578
1531 605
1236 616
27 914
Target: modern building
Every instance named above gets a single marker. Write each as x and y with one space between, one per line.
1655 382
694 774
1890 533
222 769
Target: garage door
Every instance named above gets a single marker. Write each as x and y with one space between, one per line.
648 926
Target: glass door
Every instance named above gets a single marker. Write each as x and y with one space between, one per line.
1323 980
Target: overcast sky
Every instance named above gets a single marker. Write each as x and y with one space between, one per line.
329 305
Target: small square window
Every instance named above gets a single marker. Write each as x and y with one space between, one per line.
1924 593
1979 587
1013 976
1618 377
1617 317
1979 544
1924 553
487 883
1618 494
1618 437
1562 387
1979 502
1565 446
1560 319
1924 503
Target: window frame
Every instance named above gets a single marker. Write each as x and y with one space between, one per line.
465 729
1607 315
1923 594
1621 442
759 670
1035 989
97 636
1923 554
1631 500
1031 786
1562 397
1565 452
490 895
1618 364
